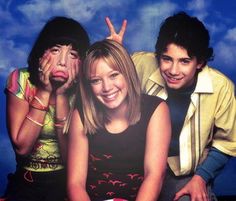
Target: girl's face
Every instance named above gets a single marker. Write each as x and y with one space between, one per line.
177 68
62 58
108 85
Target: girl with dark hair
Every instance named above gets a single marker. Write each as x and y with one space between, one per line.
39 101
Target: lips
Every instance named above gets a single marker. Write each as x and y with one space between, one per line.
62 74
172 80
109 97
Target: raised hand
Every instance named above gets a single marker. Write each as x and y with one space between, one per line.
118 37
45 69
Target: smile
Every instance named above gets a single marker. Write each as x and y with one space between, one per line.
110 97
173 79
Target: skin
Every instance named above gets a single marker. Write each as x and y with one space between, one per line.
178 70
23 132
108 85
110 88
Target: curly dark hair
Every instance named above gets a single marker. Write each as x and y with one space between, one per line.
58 30
187 32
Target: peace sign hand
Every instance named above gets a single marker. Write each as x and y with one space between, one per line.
118 37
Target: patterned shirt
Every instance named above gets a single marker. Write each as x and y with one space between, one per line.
45 155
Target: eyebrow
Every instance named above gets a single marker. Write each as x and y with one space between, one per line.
182 58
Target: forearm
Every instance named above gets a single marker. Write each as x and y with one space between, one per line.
212 165
32 122
62 111
150 188
77 193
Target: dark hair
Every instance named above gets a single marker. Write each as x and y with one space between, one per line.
58 30
187 32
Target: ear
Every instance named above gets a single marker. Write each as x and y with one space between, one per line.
201 64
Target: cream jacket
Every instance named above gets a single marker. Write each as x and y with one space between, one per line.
210 119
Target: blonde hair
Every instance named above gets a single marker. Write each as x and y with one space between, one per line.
116 56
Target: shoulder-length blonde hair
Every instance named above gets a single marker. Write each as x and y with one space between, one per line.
116 56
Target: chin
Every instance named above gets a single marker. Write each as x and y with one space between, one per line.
174 86
58 82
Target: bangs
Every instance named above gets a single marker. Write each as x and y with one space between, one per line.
64 41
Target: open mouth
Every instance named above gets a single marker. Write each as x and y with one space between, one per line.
173 80
110 97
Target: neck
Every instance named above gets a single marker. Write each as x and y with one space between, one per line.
118 119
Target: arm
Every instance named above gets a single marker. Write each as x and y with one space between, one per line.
210 167
23 132
77 160
23 121
63 108
157 145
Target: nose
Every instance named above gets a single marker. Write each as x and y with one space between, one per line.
106 85
174 70
62 59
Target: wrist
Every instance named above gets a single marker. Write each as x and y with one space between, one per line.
199 179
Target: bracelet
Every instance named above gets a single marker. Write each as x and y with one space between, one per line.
60 120
38 99
38 104
34 121
59 125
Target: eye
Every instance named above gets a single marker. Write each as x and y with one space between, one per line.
185 61
54 50
95 81
114 75
74 55
165 58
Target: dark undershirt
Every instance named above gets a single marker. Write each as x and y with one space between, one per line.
178 102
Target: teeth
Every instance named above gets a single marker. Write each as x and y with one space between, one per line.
172 78
110 96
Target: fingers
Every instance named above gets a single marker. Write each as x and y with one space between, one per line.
118 37
179 194
123 28
45 69
195 195
110 25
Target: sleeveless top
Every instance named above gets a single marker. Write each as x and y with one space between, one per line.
45 155
116 161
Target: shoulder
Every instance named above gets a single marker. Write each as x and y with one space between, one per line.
219 80
150 103
145 58
19 73
18 83
143 55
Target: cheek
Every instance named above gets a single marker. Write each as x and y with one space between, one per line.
95 89
163 66
190 72
122 83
